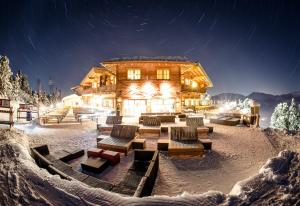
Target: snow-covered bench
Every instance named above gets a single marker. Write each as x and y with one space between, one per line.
120 138
184 141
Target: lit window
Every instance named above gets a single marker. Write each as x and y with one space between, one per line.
134 74
163 74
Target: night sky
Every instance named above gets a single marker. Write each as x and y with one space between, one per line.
244 46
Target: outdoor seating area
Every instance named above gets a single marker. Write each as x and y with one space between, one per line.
55 116
138 181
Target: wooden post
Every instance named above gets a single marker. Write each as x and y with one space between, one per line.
11 117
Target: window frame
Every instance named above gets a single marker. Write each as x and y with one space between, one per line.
164 74
134 74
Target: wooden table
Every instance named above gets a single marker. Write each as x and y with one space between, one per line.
95 164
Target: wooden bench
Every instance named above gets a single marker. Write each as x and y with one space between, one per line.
120 138
55 166
184 141
151 125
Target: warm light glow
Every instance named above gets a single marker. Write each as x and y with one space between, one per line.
94 85
194 84
133 89
148 90
165 90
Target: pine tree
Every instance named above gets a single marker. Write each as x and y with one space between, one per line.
16 91
293 116
25 84
280 116
5 77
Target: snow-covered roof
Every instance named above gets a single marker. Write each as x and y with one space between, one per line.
144 58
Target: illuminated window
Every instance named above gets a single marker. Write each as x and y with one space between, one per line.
94 85
163 74
134 74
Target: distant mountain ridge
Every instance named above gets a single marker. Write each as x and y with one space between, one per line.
262 98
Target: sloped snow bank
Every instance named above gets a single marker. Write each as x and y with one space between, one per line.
22 182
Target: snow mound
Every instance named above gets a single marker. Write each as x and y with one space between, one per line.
22 182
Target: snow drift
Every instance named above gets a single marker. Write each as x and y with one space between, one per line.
22 182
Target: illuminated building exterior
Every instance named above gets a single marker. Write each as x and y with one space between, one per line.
138 85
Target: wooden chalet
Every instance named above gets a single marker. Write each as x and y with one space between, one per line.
138 85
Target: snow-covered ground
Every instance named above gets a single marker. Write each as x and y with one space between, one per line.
22 182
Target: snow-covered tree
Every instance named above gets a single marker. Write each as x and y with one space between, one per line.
280 116
16 91
5 77
205 99
294 117
24 83
35 98
44 99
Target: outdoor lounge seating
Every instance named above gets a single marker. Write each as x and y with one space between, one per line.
198 123
184 141
229 121
120 138
151 124
56 166
140 178
164 117
110 121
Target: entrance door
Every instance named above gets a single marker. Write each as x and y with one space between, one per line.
134 107
162 105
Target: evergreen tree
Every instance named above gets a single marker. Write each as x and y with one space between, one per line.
294 118
25 84
16 91
5 77
280 116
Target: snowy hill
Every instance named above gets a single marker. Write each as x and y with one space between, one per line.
228 96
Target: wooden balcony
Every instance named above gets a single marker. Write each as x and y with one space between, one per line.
100 90
188 88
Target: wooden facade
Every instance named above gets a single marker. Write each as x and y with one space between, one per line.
136 86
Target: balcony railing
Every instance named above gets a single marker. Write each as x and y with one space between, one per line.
99 90
188 88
